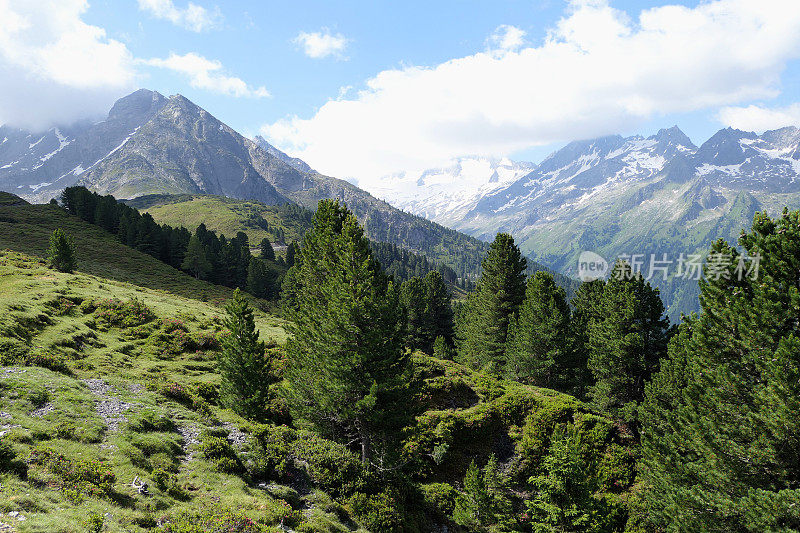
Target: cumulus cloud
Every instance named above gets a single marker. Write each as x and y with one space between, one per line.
193 17
207 74
321 44
759 118
506 38
598 71
55 68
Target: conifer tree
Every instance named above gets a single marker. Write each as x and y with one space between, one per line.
258 279
438 311
627 338
721 434
267 252
345 360
497 298
412 297
291 252
195 260
540 349
243 364
61 254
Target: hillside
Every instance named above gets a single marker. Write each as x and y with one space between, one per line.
119 382
279 223
26 228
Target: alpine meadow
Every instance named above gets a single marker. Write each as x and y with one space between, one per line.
410 267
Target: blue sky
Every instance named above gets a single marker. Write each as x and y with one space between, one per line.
395 85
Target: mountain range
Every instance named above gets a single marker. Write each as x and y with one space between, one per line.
620 196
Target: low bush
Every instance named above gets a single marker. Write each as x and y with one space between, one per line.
10 462
126 314
377 512
75 476
219 451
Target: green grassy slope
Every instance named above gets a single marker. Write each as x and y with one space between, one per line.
26 228
225 216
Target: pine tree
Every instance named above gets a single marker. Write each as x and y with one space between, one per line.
260 281
721 434
345 360
540 349
412 297
61 254
195 260
491 307
267 252
291 251
438 311
627 338
243 365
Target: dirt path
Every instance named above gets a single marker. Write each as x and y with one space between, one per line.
110 408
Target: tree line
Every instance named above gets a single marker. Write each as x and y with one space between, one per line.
203 254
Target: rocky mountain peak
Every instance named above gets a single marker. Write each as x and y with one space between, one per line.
137 104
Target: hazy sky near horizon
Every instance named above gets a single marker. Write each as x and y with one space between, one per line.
361 88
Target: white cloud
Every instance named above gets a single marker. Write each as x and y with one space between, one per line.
192 17
55 68
321 44
599 71
207 74
506 38
758 118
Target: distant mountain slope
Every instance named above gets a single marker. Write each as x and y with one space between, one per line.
36 165
446 194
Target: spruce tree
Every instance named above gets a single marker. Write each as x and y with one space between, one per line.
540 349
61 254
195 260
243 364
345 360
721 431
627 338
267 252
491 307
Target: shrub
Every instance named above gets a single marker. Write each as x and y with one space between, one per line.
75 476
149 420
271 446
211 520
48 359
220 452
9 462
377 512
114 312
440 497
330 465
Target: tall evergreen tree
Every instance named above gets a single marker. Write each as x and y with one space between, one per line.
540 349
61 254
291 252
345 360
259 282
195 260
496 300
267 252
438 311
627 338
412 297
243 364
721 434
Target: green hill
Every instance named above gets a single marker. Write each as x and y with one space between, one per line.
27 227
103 381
